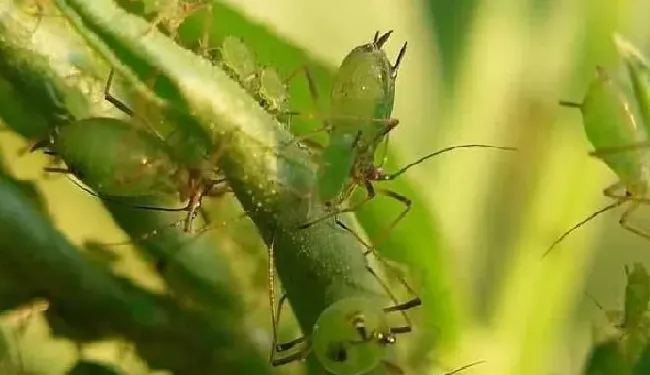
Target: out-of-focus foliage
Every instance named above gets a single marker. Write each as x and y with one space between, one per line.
475 72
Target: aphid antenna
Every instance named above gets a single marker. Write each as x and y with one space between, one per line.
465 367
122 107
113 200
616 204
403 170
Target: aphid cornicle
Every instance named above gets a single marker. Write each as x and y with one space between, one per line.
116 159
614 130
362 99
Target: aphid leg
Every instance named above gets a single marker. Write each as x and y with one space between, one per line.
625 216
407 207
173 22
313 89
315 98
569 104
113 100
384 136
609 192
204 42
336 212
401 307
618 149
57 170
275 318
371 193
393 176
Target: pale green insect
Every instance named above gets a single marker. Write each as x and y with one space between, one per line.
351 335
633 323
263 83
172 13
362 98
613 129
115 159
273 94
239 62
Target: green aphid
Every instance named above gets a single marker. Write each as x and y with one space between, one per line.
359 121
239 62
638 69
362 97
615 132
116 159
637 296
263 83
170 14
273 94
633 323
351 335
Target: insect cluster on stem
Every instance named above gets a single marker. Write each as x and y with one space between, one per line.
117 158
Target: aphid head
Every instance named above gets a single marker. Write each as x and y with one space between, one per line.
350 336
46 143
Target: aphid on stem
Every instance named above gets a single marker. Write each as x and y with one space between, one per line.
620 141
358 122
115 159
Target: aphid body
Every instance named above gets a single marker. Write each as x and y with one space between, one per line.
238 61
362 99
351 335
116 159
612 126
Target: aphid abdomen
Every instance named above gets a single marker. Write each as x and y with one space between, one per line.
363 92
115 159
609 122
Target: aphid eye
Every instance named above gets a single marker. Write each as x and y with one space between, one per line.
337 352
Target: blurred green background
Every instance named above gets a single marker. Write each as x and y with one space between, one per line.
475 72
